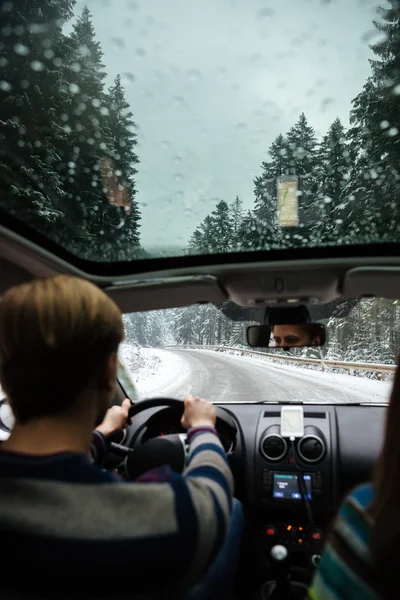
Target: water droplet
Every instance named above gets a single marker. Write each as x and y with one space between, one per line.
177 160
132 5
327 199
264 13
165 145
118 43
193 76
179 195
75 67
19 30
74 89
104 110
127 78
5 86
373 36
21 49
64 117
101 232
57 62
83 50
178 178
393 131
396 90
36 65
96 102
3 61
71 165
48 53
178 101
140 52
373 174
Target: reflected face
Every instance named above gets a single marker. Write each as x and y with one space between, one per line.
291 336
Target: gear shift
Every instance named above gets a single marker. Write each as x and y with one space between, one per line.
280 560
281 588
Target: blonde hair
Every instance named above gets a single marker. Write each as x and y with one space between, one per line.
55 335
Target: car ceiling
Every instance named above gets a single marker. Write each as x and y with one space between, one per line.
243 279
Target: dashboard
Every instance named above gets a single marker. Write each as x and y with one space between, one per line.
338 450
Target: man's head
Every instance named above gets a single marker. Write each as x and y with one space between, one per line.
295 335
58 343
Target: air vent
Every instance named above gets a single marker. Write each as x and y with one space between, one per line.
314 415
273 447
311 448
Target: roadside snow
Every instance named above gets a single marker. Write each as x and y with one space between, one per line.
154 371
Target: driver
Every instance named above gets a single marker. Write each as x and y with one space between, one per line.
291 336
68 524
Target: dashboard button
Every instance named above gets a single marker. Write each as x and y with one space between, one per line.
271 531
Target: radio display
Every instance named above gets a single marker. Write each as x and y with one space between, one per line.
286 486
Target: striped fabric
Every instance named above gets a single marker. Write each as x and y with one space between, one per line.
345 570
67 525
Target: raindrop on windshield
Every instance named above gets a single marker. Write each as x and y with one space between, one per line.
74 89
127 78
396 90
36 65
178 178
7 6
241 126
118 43
5 86
48 53
385 124
21 49
140 52
177 160
165 145
178 101
96 102
3 61
193 76
393 131
264 13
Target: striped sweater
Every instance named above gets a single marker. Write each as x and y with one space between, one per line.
345 570
67 525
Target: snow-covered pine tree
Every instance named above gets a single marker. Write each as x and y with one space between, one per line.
122 145
303 162
31 56
374 189
88 145
236 214
332 171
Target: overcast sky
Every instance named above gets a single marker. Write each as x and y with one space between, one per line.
213 82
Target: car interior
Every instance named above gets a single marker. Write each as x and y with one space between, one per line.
339 443
219 169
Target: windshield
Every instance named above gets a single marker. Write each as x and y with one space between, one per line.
135 129
198 350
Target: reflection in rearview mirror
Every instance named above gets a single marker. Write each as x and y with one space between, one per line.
300 335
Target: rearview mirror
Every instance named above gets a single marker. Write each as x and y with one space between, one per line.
299 335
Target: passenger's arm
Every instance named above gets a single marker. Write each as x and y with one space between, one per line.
345 569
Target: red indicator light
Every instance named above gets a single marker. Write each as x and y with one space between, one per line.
316 536
270 531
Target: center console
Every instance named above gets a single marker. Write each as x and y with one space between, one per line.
294 488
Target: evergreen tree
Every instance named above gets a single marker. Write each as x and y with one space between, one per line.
222 228
30 99
333 170
303 161
88 144
123 140
236 214
265 186
374 189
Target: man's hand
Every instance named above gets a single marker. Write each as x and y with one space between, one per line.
198 413
116 418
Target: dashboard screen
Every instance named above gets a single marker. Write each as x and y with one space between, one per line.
286 486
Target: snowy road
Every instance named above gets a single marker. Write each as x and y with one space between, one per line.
221 378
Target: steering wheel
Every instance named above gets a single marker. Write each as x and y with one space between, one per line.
166 450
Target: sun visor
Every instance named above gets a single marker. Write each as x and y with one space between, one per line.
372 281
171 292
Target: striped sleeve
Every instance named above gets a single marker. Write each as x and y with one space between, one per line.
99 447
209 481
345 569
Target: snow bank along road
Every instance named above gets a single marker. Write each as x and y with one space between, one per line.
225 378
